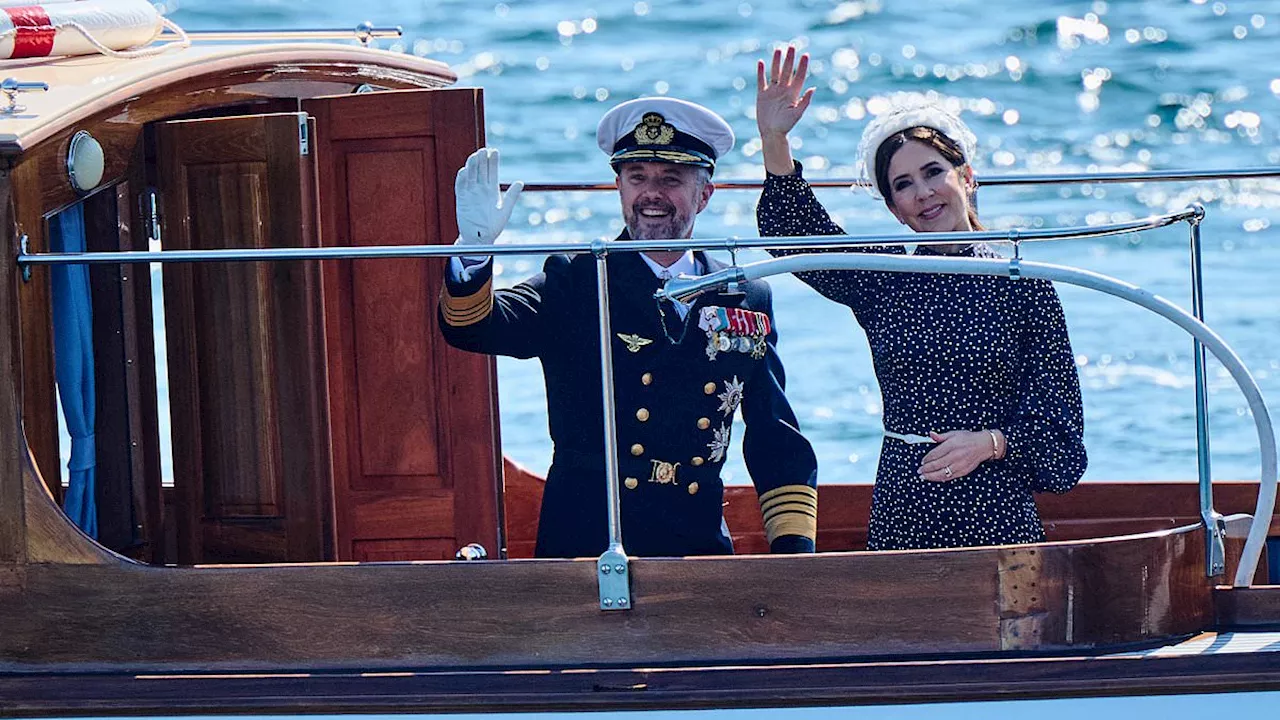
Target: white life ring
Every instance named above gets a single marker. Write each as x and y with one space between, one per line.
60 27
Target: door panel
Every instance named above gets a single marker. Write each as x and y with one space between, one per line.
414 422
245 343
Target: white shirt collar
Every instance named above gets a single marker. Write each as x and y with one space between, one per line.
685 265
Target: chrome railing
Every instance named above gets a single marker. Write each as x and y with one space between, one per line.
992 180
612 567
364 32
1013 237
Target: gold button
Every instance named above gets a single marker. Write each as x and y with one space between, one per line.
637 449
642 414
646 379
697 461
631 483
703 423
693 488
709 388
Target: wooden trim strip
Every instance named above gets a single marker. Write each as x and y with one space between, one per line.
593 688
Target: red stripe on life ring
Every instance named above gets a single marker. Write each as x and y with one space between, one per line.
34 32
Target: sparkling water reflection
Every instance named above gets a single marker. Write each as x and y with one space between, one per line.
1054 86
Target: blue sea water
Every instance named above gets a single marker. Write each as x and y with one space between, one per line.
1054 86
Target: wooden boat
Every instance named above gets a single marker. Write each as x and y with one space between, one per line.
327 467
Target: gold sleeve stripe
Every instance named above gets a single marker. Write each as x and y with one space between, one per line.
469 302
469 316
462 320
791 524
784 508
794 499
801 489
468 310
790 510
789 494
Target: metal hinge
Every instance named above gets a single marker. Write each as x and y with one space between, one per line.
150 201
304 136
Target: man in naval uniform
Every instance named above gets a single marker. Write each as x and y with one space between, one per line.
680 371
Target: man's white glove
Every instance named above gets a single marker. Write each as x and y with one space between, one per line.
482 212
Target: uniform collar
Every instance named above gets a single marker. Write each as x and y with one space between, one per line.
686 265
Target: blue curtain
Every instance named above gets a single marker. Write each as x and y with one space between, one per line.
73 366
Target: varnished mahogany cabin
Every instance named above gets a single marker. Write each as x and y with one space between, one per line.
317 417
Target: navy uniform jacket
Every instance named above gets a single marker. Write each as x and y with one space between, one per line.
674 407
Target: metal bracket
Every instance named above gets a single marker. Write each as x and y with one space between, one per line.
12 86
731 244
1015 263
613 573
1215 543
24 245
1197 213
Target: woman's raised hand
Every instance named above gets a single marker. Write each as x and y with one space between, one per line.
780 102
781 97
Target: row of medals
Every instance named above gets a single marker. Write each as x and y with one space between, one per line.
734 330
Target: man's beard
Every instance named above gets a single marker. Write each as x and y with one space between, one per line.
674 226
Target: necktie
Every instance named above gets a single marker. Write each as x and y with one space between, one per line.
672 324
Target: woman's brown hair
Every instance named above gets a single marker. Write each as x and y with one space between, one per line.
946 147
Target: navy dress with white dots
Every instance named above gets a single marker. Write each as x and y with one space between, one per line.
953 352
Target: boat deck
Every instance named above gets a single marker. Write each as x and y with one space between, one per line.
1215 643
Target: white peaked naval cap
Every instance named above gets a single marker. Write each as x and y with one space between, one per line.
662 129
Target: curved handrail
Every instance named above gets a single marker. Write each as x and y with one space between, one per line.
683 288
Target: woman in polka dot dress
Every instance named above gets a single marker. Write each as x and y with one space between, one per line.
981 395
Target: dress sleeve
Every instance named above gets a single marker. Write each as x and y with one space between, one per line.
780 460
475 317
788 208
1046 436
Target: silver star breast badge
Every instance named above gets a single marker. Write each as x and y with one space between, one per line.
731 397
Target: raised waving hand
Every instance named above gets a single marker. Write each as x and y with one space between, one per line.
781 99
482 210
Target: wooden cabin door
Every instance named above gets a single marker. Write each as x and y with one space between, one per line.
245 342
417 465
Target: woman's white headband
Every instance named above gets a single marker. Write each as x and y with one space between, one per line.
904 116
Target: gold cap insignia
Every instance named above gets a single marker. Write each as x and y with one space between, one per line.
654 130
634 342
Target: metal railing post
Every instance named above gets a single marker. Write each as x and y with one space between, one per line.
612 568
1215 551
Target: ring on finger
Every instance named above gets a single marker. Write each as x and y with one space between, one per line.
946 471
